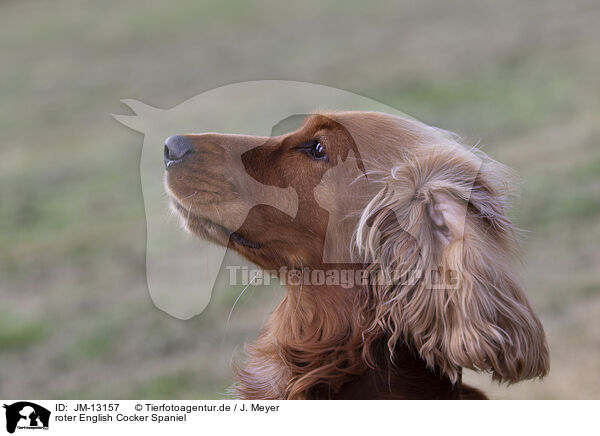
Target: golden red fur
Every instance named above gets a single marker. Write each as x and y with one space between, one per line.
388 195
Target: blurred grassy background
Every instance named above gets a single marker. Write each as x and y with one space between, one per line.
76 320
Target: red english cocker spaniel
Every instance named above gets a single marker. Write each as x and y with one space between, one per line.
416 219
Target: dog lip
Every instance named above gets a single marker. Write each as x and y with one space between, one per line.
233 236
240 240
188 213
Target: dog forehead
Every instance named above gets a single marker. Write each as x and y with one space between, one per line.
360 118
364 126
317 121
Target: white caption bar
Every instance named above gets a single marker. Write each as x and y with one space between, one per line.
296 417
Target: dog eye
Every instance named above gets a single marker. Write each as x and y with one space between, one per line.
315 150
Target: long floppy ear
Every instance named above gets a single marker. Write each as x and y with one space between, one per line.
450 222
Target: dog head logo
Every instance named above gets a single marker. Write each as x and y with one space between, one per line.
26 415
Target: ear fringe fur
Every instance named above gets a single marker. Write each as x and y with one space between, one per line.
484 321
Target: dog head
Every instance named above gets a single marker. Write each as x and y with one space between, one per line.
387 193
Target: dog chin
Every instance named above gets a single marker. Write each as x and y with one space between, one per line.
198 226
204 228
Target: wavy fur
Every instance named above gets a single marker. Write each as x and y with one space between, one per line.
484 322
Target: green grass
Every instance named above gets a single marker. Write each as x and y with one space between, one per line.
18 333
99 344
588 171
178 384
564 295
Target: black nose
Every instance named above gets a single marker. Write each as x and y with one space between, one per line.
176 149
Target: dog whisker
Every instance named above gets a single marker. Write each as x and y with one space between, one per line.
233 307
